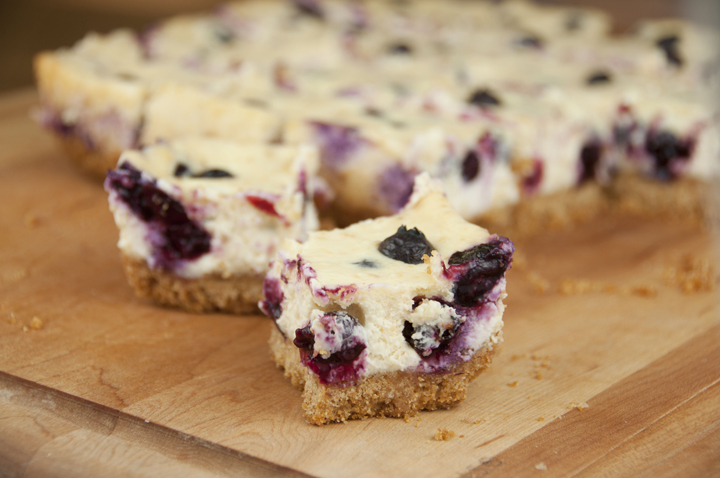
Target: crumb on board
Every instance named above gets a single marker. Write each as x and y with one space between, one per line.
541 419
26 329
579 405
31 220
644 290
443 434
541 466
539 283
36 323
513 384
537 374
694 274
13 274
582 286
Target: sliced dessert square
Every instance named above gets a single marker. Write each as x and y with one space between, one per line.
201 219
389 316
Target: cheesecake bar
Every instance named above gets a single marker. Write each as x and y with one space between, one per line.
200 219
389 316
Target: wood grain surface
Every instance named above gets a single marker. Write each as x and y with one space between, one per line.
618 376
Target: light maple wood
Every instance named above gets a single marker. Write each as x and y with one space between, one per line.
110 361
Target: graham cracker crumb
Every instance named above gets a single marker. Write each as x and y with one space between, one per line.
36 323
579 405
538 375
462 436
540 284
693 275
31 220
541 419
582 286
13 274
644 290
513 384
12 320
26 329
541 466
517 357
443 434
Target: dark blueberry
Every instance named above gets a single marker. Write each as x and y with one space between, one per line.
531 41
670 45
406 245
599 78
310 8
666 149
337 143
271 305
399 49
574 21
431 338
182 237
481 267
181 170
483 97
470 166
340 365
367 264
589 158
395 186
223 34
213 174
531 183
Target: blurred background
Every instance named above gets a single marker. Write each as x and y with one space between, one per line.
30 26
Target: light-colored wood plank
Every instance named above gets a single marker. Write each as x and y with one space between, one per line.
653 447
616 423
47 433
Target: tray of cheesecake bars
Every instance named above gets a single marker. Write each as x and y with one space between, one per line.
364 238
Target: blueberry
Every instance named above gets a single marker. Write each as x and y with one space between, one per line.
273 296
367 264
531 183
395 186
223 34
310 8
470 166
182 238
482 98
669 45
337 143
667 150
406 245
214 174
341 365
589 158
399 49
531 41
599 78
480 268
181 170
573 22
431 338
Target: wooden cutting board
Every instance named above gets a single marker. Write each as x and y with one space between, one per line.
618 375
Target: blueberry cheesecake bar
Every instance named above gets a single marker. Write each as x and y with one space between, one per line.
389 316
200 219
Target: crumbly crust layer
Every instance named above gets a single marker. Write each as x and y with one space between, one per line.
685 198
235 295
396 394
94 162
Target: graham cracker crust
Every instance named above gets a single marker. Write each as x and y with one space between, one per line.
397 394
94 162
687 199
235 295
555 211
